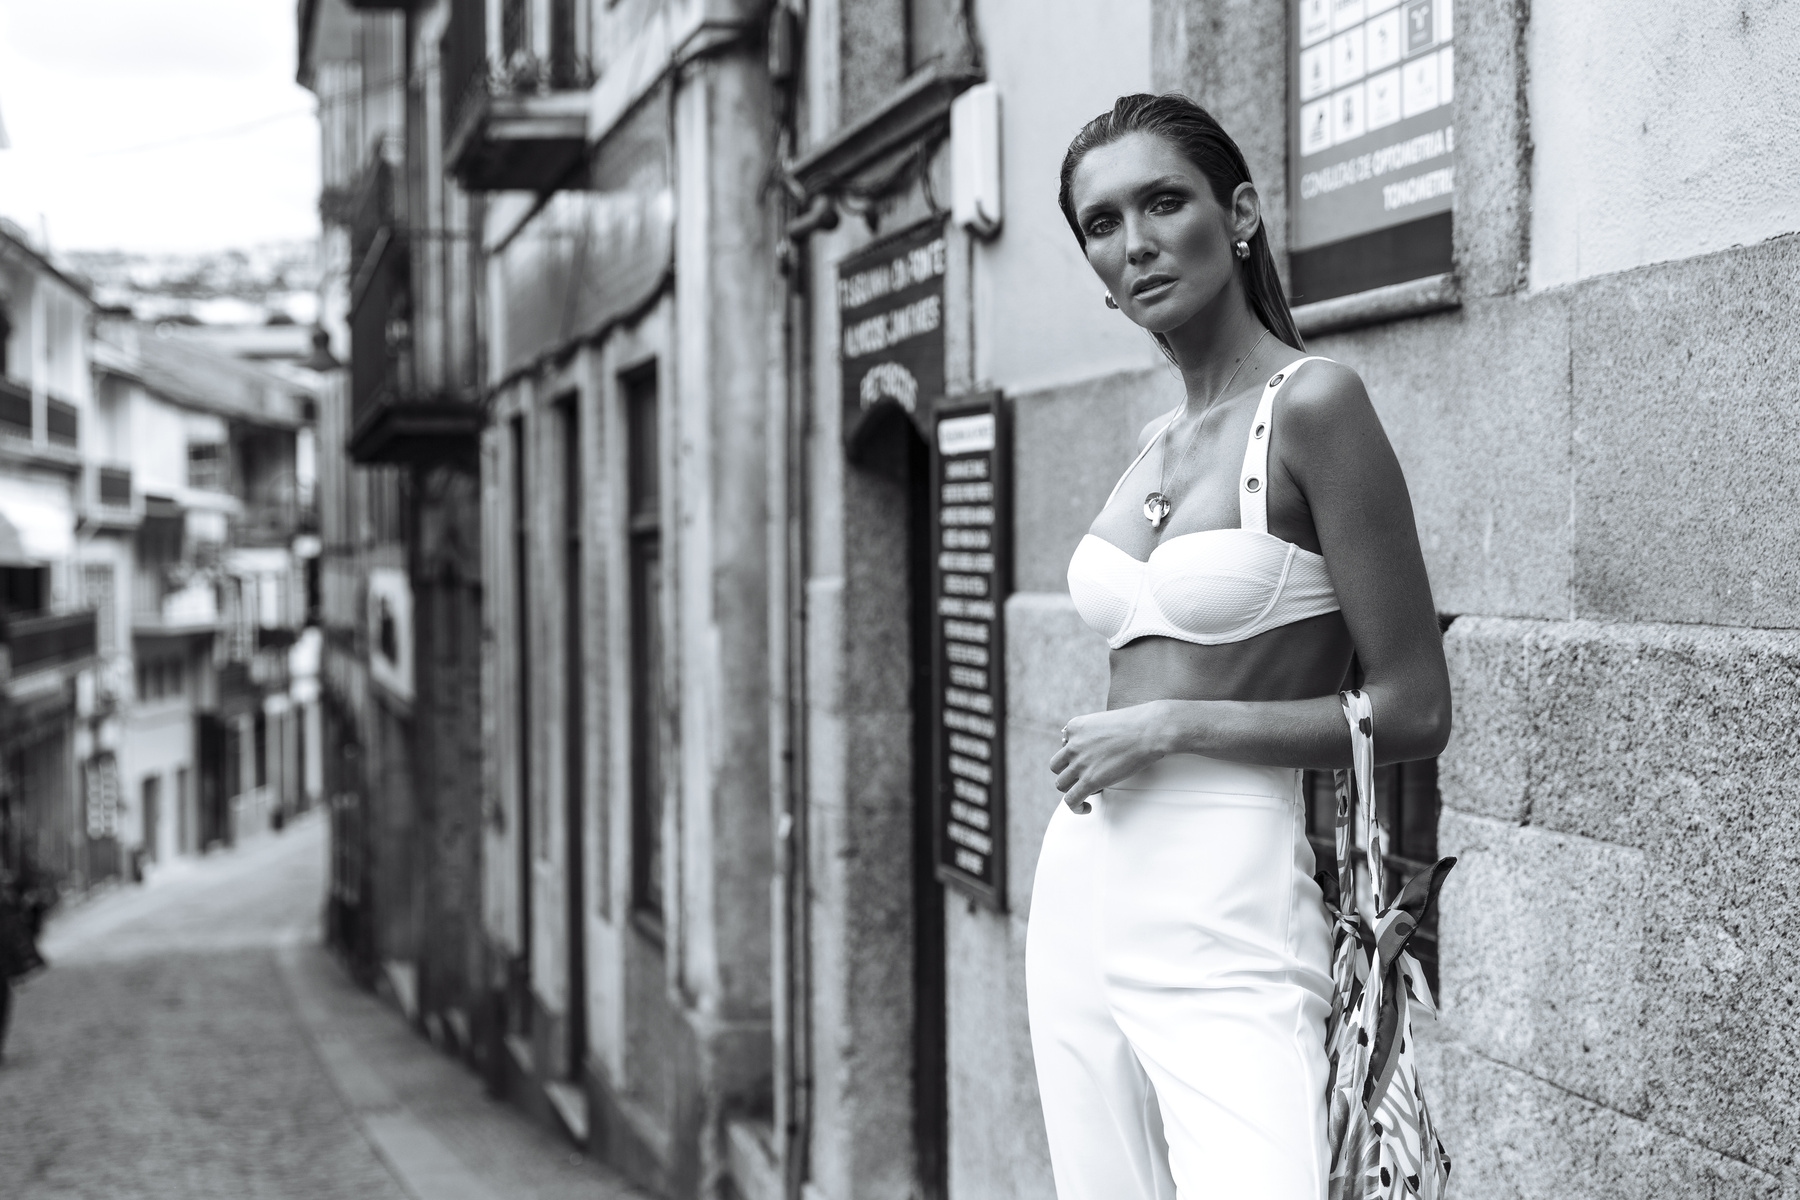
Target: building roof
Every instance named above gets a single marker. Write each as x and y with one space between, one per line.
199 377
15 244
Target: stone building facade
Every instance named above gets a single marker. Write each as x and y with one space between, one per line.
1573 400
729 935
400 564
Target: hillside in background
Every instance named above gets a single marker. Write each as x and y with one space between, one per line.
275 282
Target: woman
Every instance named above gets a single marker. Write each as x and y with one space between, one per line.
1178 954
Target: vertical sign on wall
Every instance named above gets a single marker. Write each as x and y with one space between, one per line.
971 525
1372 141
891 314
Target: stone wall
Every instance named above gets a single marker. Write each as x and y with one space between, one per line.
1619 972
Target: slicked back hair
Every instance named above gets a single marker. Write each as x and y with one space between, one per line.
1204 142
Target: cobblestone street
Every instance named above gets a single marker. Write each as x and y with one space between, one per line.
192 1039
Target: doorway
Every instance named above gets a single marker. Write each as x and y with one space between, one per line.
568 432
152 800
889 444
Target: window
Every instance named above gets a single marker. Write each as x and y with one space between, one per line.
644 530
206 466
161 678
1406 804
23 590
529 820
568 435
98 594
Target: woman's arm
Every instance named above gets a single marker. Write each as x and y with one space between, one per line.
1333 449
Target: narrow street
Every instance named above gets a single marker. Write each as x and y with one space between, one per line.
192 1039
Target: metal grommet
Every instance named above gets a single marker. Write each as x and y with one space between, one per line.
1252 484
1259 430
1278 379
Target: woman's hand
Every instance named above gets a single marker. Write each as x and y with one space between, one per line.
1102 748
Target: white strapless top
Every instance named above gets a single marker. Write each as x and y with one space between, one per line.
1213 586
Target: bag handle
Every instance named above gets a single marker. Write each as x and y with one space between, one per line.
1356 803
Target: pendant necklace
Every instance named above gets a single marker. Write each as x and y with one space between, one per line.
1157 505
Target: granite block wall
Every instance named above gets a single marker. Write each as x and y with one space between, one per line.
1621 981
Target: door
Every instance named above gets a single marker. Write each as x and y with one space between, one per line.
152 799
930 1065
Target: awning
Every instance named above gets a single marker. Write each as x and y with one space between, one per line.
42 518
12 548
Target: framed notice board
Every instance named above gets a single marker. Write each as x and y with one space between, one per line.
971 531
1371 144
890 298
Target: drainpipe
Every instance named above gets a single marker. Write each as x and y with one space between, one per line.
792 826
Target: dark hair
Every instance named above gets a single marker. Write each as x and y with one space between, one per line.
1194 132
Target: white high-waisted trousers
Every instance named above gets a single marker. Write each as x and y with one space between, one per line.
1178 972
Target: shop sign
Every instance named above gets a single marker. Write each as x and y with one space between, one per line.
971 527
1372 144
890 300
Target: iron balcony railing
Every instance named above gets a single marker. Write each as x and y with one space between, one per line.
113 486
62 423
380 298
40 642
15 408
482 82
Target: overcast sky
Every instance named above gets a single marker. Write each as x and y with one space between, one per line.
155 124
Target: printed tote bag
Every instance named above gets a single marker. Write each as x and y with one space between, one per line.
1383 1143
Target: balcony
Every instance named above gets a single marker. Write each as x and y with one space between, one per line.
273 523
15 408
389 421
174 612
62 423
42 643
113 486
514 120
109 499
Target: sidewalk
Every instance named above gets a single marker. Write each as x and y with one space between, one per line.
193 1039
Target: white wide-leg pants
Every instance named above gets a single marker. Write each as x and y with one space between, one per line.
1178 975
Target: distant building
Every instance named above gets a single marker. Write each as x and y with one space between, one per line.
202 498
59 795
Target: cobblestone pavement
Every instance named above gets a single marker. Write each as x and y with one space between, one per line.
192 1040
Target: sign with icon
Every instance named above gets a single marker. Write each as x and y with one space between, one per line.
1372 144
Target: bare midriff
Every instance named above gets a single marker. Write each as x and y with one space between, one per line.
1294 662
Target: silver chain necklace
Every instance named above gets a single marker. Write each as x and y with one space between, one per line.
1157 505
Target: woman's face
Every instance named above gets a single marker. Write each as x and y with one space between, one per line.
1156 237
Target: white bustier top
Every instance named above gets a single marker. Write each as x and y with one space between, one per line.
1210 587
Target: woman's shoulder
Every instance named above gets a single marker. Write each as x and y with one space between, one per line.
1322 398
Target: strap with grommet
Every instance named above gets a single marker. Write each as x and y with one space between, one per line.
1253 480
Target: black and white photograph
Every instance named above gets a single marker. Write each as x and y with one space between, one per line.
899 600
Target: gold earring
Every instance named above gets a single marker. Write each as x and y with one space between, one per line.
1110 302
1242 248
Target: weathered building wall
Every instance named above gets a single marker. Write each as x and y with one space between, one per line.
1598 442
641 1019
1620 561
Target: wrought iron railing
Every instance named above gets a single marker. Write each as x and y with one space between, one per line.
113 486
15 408
471 75
38 643
62 423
